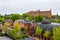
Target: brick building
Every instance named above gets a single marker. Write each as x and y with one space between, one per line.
40 13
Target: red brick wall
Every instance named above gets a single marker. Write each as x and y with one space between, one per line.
40 13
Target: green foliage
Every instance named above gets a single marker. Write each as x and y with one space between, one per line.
47 33
55 20
2 19
58 21
26 28
52 20
1 34
14 17
56 33
38 31
7 16
53 16
58 16
25 16
14 33
30 18
38 18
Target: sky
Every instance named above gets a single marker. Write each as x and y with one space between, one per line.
23 6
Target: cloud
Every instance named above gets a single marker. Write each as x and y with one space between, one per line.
21 6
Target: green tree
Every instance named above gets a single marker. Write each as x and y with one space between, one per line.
46 34
30 18
53 16
38 31
38 18
2 19
56 33
25 16
14 17
7 16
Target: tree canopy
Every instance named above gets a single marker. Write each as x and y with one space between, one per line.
14 17
38 18
2 19
25 16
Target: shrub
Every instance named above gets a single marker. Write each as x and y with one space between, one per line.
38 31
56 33
1 34
58 21
53 20
47 33
2 19
14 33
